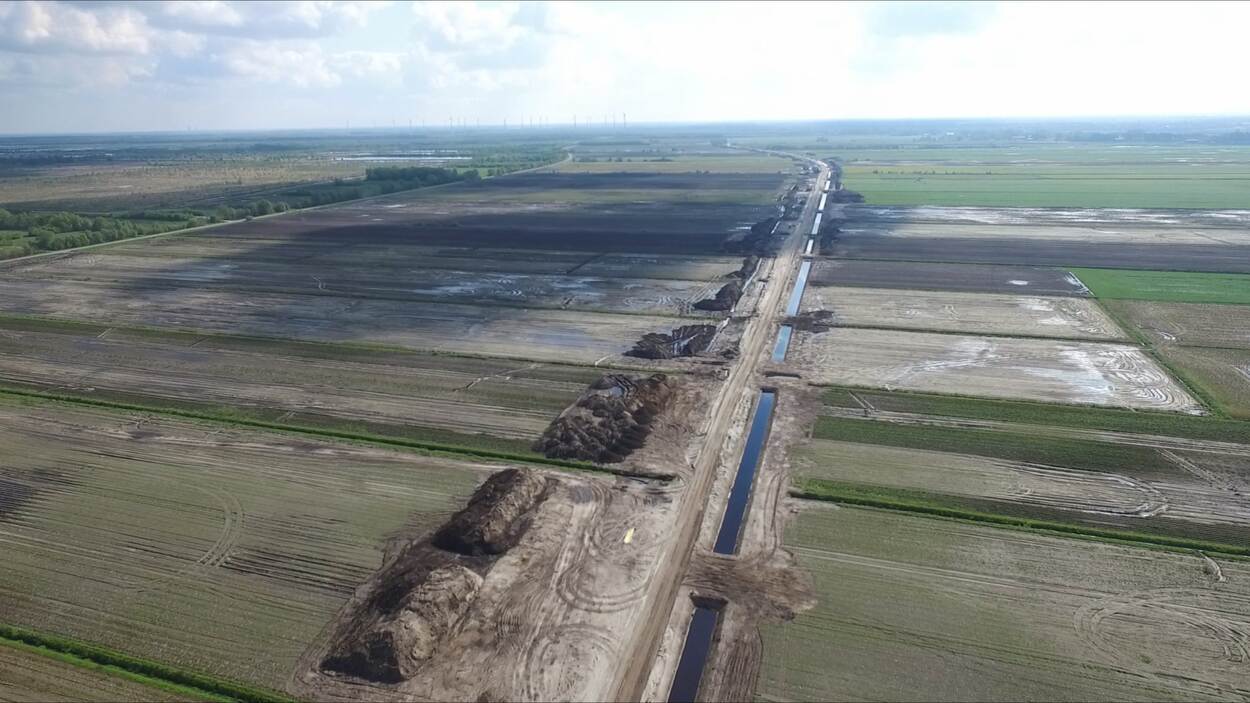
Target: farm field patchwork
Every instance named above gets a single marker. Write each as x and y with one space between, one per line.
1164 500
503 405
984 313
221 551
1088 238
970 612
1029 369
964 278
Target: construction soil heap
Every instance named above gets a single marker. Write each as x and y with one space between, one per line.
610 420
420 599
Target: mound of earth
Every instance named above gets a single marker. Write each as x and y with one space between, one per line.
725 299
757 242
686 340
812 321
747 269
491 523
609 421
421 598
845 196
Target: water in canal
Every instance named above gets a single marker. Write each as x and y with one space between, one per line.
800 283
740 494
695 652
783 343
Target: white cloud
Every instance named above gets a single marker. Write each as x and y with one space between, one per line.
56 27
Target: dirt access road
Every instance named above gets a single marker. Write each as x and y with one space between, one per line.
635 669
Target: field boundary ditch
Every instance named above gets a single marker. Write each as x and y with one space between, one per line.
831 492
431 448
133 668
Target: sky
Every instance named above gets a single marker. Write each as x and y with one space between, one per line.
143 66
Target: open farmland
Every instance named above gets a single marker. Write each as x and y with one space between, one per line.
1223 374
1135 239
218 550
1187 324
1165 496
960 278
1052 175
970 612
985 313
1168 286
999 367
452 400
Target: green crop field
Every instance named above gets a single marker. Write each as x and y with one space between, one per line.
734 162
216 550
1167 286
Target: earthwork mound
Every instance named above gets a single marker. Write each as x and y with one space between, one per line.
686 340
422 597
609 421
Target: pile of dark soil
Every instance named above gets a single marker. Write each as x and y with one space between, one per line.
812 321
845 196
491 523
757 242
420 599
686 340
725 299
747 269
609 421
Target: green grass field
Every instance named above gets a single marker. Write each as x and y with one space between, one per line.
1167 286
1050 175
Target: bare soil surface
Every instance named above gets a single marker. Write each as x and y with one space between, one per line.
997 367
989 313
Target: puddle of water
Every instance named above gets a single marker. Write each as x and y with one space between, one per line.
783 343
800 283
695 652
740 494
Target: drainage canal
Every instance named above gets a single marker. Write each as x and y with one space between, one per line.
695 652
783 343
800 283
740 494
808 251
816 224
823 197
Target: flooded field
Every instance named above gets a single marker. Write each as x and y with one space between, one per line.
1034 369
966 278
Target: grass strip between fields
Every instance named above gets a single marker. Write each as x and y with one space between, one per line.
922 503
433 448
1042 414
136 669
1002 444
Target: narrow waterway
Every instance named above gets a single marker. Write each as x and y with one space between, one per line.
740 494
695 651
800 283
816 224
